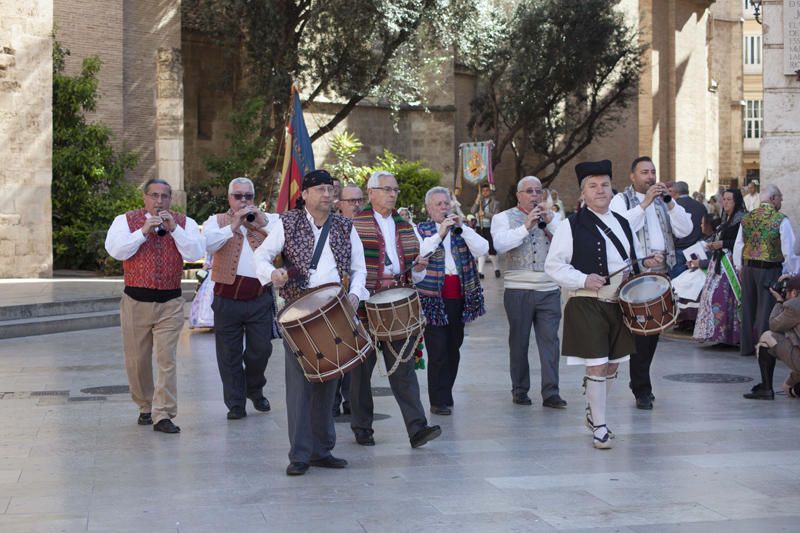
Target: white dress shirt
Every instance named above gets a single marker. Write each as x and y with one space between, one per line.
679 219
216 238
787 247
477 245
752 201
122 243
558 263
326 271
388 230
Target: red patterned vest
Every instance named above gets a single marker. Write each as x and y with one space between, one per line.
375 246
157 264
298 250
761 232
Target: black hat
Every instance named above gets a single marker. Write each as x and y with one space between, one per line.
593 168
317 177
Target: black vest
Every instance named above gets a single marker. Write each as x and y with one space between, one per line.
589 246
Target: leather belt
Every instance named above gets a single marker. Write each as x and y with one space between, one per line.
753 263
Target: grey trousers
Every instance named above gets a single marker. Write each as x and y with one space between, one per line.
405 389
757 304
309 406
236 321
542 310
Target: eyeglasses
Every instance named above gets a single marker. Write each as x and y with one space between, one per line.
532 191
247 196
353 201
387 190
158 196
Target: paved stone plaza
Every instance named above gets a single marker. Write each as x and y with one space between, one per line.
703 460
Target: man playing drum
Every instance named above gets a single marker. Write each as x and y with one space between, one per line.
595 243
392 255
296 235
451 292
656 218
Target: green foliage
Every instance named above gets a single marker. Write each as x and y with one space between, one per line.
89 187
413 177
345 146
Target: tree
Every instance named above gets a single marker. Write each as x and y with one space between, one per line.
553 76
89 187
342 50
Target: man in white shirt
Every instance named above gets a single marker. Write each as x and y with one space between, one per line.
392 255
752 199
762 252
657 220
309 406
531 298
593 244
152 244
450 294
243 307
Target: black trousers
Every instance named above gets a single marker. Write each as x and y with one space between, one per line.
243 334
443 344
640 364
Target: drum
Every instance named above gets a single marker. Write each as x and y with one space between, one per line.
648 303
395 314
324 333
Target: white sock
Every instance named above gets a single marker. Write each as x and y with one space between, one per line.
481 262
609 382
495 264
596 394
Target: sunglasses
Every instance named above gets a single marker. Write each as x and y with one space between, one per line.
246 196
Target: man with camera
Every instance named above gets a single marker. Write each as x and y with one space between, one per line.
531 297
152 243
243 307
781 341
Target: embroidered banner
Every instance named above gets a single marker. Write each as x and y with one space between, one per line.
475 163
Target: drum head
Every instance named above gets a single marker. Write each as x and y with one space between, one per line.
308 303
643 289
391 295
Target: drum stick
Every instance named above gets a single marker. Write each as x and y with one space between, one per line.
629 265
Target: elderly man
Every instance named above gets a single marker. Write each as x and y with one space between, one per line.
243 307
450 294
485 207
296 235
392 255
763 246
594 333
531 297
656 222
152 244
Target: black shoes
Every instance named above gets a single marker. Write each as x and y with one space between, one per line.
364 436
555 401
166 426
296 469
760 392
522 398
329 462
237 413
261 404
481 276
497 273
145 419
441 410
425 435
644 402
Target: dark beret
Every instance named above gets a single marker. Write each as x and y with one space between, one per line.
593 168
317 177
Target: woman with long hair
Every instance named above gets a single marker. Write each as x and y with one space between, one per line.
717 317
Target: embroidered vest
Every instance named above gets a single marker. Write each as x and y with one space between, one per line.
375 245
430 288
226 259
298 249
529 255
761 232
157 264
663 221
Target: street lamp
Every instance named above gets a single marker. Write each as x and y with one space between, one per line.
757 9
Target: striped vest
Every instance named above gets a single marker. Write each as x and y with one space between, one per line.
157 264
375 245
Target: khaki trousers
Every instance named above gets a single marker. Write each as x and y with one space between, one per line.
149 327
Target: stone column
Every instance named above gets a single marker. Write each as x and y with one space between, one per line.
780 157
169 121
26 138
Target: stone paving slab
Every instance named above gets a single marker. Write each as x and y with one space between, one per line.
703 460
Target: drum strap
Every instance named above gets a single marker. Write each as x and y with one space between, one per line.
320 245
615 241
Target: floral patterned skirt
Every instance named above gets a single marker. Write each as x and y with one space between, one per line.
717 319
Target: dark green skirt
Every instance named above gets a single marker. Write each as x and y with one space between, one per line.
594 329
